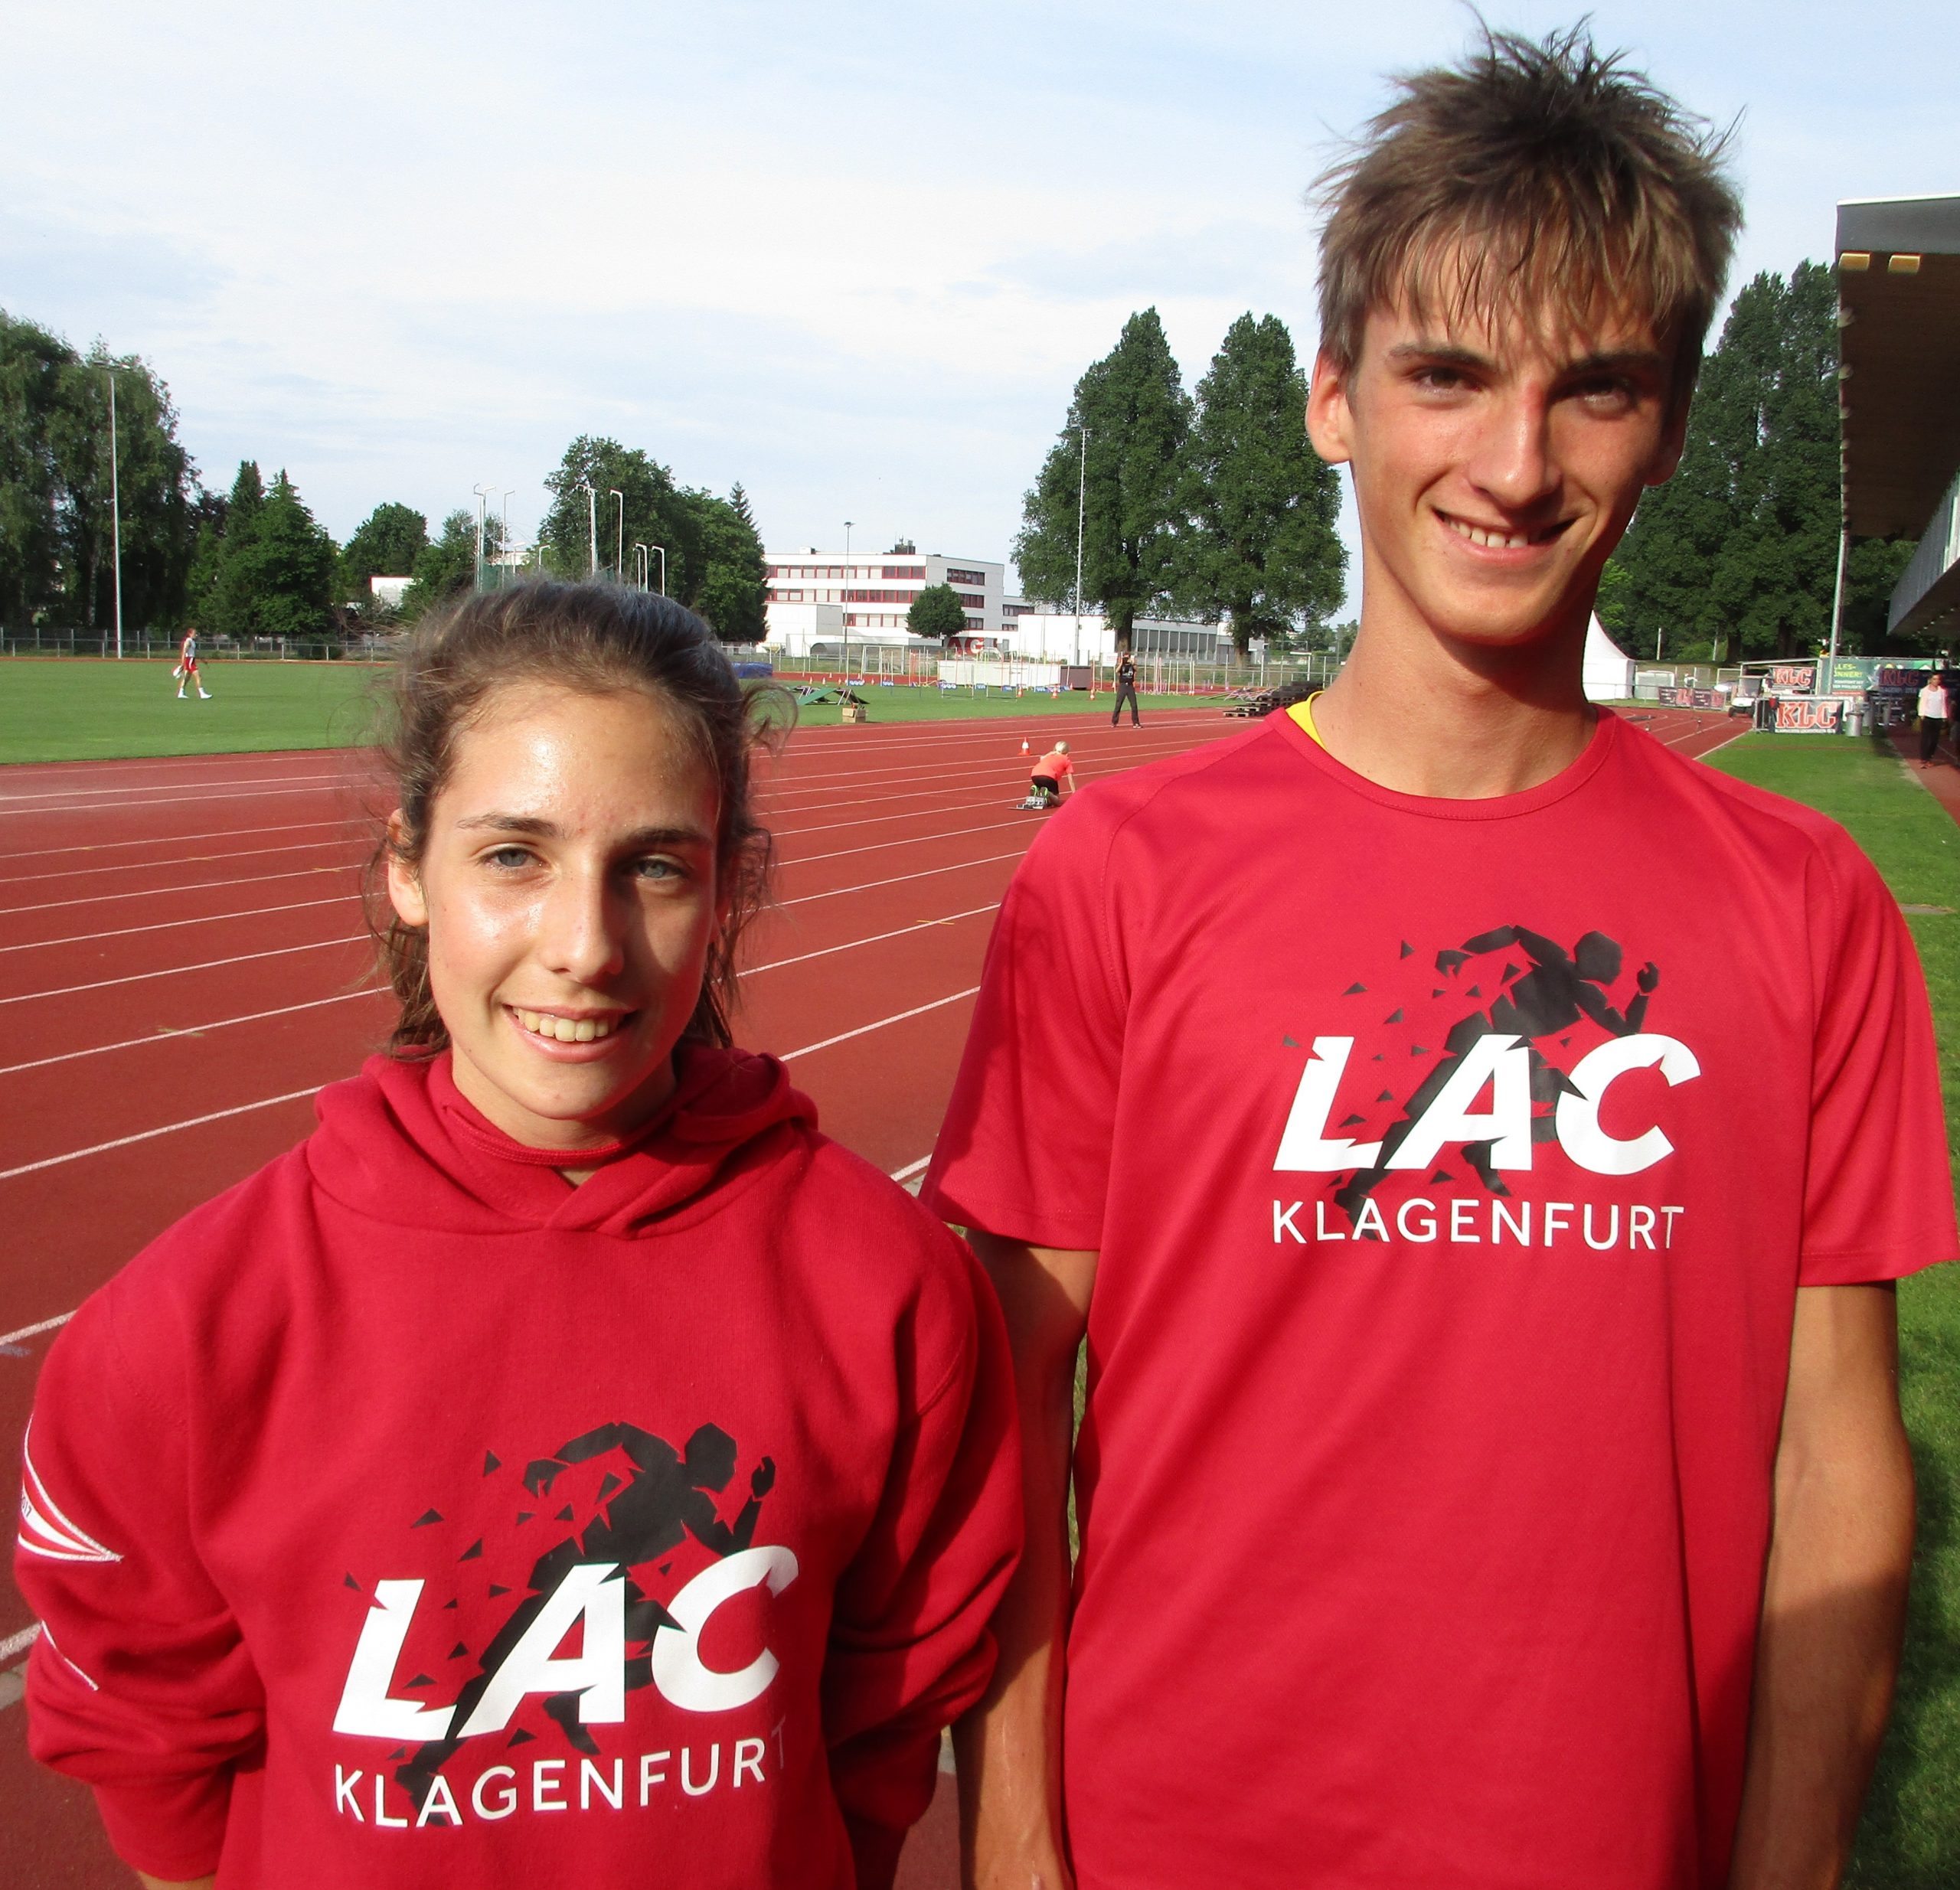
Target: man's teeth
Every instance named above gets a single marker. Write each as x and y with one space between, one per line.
566 1029
1513 541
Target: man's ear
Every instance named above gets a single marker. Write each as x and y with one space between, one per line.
404 887
1329 422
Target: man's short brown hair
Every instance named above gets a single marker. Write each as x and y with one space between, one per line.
1540 179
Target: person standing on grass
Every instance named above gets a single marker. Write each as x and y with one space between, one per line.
187 672
1126 690
567 1467
1933 708
1478 1145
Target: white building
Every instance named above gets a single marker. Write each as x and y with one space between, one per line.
1035 631
388 591
813 595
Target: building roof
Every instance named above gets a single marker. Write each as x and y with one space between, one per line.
1899 286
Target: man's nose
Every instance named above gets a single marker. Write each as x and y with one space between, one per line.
1514 461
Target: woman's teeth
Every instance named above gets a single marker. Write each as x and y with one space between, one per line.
566 1029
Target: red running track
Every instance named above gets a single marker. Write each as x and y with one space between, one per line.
183 963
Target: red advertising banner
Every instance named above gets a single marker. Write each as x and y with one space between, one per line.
1683 698
1800 677
1810 718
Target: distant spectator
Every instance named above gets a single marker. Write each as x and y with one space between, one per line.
1932 717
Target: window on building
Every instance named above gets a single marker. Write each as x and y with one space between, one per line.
902 570
966 577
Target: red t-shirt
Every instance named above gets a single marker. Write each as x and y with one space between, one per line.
1453 1165
1056 766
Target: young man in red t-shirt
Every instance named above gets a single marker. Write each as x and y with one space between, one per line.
1478 1143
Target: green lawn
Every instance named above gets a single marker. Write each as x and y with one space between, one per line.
76 710
1910 1839
69 708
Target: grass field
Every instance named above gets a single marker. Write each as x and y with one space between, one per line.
1910 1839
78 709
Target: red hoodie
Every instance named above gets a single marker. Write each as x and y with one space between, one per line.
405 1515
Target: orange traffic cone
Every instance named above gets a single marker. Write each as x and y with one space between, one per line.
1024 749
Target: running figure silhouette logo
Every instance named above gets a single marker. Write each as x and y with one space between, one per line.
667 1497
1536 990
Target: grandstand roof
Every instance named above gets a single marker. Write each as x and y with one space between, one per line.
1899 285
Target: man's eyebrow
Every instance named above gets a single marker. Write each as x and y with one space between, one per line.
1617 360
535 827
1451 353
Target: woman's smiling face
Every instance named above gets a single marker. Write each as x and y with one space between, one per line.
569 891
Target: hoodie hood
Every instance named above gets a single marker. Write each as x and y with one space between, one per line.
400 1144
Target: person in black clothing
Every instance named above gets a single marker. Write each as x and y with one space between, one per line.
1126 690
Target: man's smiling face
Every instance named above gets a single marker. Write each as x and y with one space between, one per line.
1495 467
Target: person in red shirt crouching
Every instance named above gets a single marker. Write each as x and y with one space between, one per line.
567 1466
1476 1142
1054 776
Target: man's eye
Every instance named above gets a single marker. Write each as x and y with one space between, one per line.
508 858
656 870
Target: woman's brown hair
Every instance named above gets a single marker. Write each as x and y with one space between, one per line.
596 638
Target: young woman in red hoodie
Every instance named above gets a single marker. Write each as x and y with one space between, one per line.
567 1466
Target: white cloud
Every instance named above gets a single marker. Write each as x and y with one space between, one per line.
854 256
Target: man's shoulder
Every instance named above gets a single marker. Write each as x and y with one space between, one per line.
1783 834
1157 795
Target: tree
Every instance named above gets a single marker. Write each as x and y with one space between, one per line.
733 574
937 611
1262 547
1738 552
447 566
386 543
58 537
1133 403
656 513
276 578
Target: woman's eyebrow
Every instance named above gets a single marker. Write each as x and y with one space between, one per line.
537 828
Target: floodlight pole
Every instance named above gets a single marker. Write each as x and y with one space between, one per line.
591 522
482 504
1081 511
662 550
115 513
1837 605
643 564
503 542
619 539
843 611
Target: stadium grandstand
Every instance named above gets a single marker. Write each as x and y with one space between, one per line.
1899 292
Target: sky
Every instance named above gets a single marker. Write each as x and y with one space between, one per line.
854 256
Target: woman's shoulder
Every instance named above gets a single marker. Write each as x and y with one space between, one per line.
217 1266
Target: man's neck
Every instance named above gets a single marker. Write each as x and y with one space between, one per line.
1418 715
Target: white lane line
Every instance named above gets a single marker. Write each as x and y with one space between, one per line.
371 990
958 866
127 798
294 1095
911 1168
25 1639
119 805
170 924
174 971
76 847
155 891
876 938
897 841
150 1135
259 912
34 1331
844 1037
192 1030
